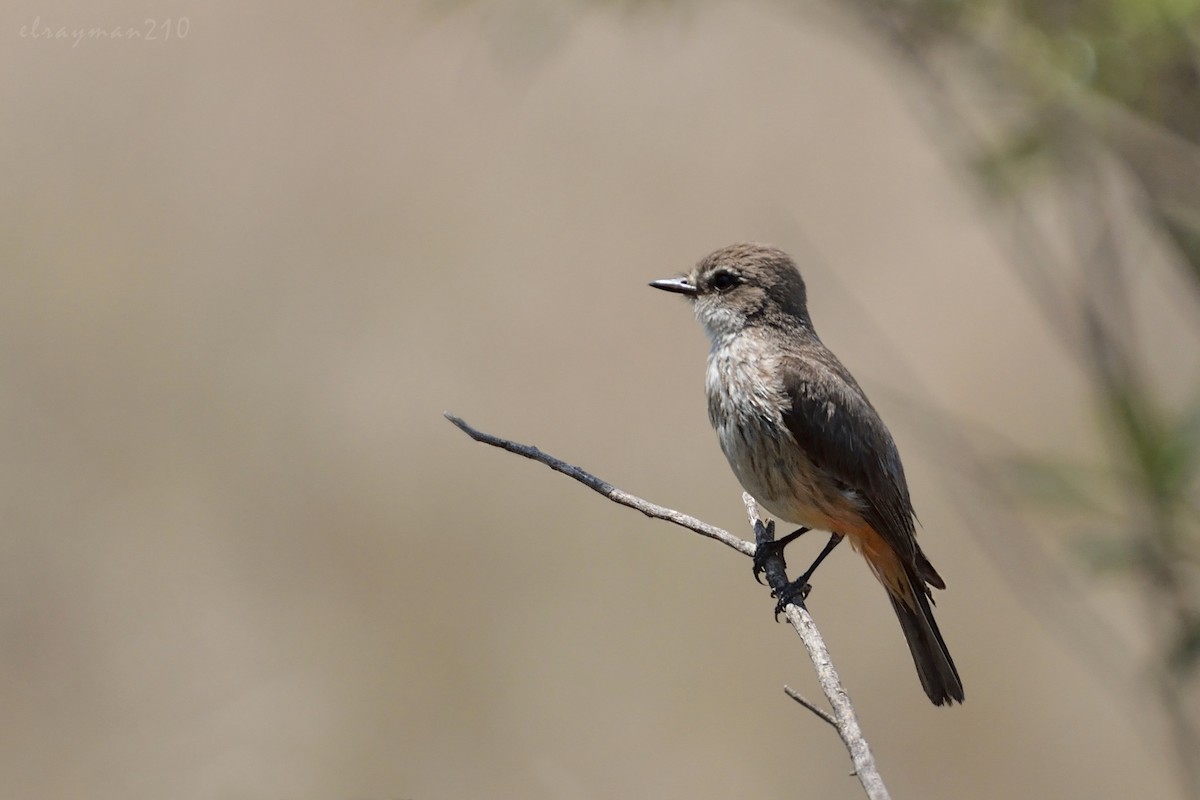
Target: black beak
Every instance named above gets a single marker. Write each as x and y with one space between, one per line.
677 285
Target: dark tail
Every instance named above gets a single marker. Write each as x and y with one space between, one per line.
934 665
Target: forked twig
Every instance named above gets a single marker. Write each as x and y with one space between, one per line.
810 705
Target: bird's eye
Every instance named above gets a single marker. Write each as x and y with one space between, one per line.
724 280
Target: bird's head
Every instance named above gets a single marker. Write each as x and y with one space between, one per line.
742 285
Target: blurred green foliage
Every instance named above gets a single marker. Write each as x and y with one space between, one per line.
1141 53
1093 108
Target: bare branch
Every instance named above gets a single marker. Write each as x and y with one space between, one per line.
810 705
607 489
843 718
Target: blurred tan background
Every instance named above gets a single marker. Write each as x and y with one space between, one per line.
247 270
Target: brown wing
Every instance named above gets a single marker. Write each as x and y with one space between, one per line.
842 434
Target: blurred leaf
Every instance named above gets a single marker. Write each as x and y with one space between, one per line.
1182 452
1146 434
1167 451
1185 235
1011 164
1060 485
1107 553
1185 653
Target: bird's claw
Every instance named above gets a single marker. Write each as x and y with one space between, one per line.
795 592
763 552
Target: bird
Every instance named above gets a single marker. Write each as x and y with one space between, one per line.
806 443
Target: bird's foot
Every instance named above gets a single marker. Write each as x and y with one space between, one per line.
793 593
766 547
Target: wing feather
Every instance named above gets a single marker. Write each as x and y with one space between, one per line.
842 434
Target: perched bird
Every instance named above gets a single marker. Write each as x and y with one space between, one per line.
804 440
